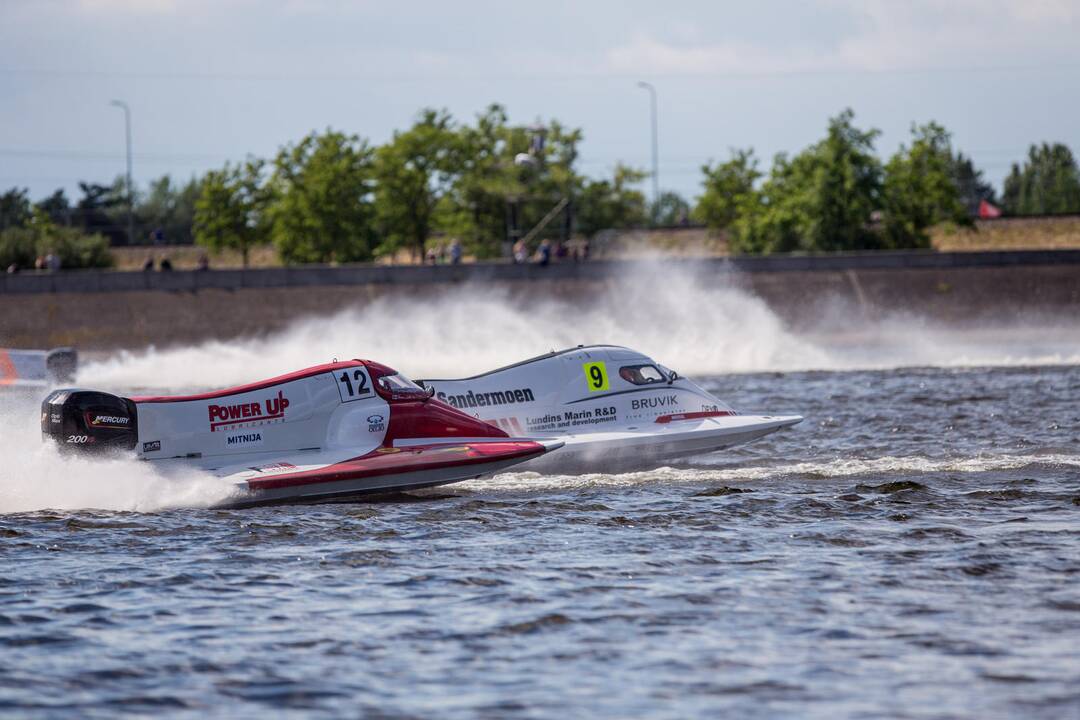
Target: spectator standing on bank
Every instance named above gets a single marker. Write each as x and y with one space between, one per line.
520 253
13 268
165 265
148 265
203 263
543 253
455 252
52 262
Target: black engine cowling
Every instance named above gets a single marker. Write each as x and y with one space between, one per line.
89 421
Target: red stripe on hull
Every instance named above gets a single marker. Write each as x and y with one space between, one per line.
391 461
663 419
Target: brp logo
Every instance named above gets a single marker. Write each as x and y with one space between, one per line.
375 423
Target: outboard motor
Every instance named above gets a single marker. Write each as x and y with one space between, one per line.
87 420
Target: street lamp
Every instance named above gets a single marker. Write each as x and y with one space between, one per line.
655 151
130 189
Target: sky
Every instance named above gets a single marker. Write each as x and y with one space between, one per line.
210 81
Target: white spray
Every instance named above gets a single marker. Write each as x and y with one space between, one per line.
698 326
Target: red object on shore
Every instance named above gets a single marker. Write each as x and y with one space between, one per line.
987 211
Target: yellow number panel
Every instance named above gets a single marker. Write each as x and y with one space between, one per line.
596 376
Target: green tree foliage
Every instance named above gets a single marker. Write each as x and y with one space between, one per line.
819 201
845 181
169 208
323 208
827 197
1048 183
102 209
729 190
39 236
604 204
671 209
18 247
492 191
971 184
920 189
415 171
57 207
230 212
15 208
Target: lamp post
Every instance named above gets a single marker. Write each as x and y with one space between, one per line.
655 150
130 189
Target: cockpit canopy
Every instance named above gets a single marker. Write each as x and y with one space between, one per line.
399 387
392 386
647 374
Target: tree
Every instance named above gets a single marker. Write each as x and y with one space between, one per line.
170 209
15 208
671 209
494 195
101 210
322 208
57 207
973 187
604 204
230 212
920 189
414 172
820 200
728 188
1048 184
846 184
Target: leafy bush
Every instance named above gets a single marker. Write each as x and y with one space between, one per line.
18 245
77 250
24 245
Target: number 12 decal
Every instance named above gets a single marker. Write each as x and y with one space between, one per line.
596 376
353 384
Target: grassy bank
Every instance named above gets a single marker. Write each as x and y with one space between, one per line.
1011 234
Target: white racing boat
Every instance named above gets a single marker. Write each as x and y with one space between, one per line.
613 408
329 432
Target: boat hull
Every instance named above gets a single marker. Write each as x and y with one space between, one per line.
359 478
628 450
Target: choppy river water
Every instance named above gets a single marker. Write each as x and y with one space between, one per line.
911 550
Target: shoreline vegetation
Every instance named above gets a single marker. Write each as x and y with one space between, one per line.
487 188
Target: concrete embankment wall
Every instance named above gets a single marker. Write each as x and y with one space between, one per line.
110 310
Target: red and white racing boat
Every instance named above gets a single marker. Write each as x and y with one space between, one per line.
329 432
614 408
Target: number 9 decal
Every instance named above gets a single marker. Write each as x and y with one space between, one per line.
596 376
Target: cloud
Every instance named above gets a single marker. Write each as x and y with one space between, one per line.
883 36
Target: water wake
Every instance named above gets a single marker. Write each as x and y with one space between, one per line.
34 476
881 468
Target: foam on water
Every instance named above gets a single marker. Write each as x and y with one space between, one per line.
838 468
34 476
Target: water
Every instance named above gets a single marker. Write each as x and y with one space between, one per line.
911 550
